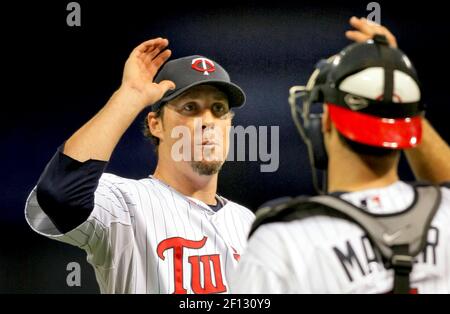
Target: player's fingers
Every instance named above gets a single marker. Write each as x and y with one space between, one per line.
357 36
363 26
143 47
390 37
161 58
146 45
154 52
166 85
370 28
160 47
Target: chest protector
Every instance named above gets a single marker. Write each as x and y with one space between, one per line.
399 236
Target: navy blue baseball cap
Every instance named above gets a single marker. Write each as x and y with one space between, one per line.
196 70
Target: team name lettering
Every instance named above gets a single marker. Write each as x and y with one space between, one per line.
198 263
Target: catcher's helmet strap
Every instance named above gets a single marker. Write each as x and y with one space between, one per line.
388 67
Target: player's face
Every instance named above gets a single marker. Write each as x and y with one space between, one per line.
196 129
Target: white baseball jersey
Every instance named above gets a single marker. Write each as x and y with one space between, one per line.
322 254
145 237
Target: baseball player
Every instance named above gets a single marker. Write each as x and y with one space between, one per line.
371 232
169 232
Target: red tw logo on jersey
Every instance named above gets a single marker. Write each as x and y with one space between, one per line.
177 245
203 65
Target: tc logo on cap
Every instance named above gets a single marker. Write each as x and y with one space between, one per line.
203 65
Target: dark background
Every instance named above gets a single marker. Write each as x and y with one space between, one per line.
56 77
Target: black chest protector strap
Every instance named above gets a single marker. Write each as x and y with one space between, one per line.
399 237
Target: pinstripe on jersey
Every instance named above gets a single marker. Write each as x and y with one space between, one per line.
321 254
145 237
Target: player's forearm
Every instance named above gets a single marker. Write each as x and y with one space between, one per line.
430 160
100 135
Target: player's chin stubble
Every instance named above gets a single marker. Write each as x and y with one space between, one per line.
206 168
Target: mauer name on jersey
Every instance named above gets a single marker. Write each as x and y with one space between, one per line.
355 264
177 246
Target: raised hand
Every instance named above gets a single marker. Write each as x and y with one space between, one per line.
141 68
365 30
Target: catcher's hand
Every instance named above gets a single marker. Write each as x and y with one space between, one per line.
365 30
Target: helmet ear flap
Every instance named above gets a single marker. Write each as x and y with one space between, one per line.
308 120
313 130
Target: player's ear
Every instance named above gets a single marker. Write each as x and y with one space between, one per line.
155 124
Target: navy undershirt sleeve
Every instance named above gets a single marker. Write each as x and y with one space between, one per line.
65 190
